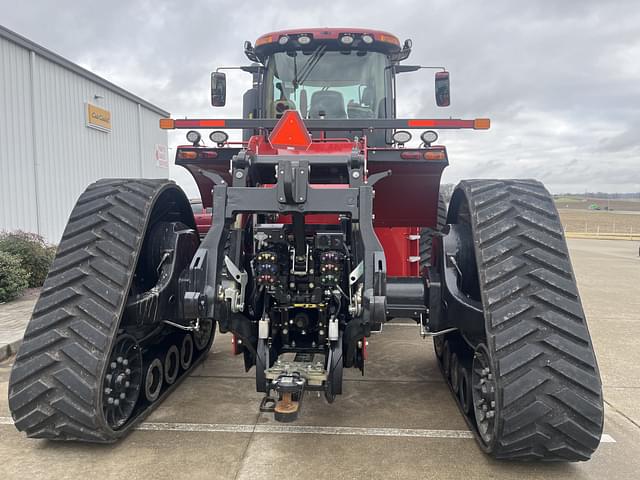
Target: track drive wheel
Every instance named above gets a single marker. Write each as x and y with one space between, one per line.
122 381
535 390
426 235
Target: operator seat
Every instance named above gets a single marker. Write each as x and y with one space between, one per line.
328 101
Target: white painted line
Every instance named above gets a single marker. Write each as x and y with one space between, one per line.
606 438
358 431
195 427
400 324
305 429
300 429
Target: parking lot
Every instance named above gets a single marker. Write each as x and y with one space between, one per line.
398 421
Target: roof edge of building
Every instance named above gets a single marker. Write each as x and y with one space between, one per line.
83 72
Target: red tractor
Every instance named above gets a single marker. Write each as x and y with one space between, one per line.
325 225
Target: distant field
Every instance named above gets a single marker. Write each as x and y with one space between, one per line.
582 203
590 221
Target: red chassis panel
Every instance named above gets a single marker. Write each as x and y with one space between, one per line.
404 202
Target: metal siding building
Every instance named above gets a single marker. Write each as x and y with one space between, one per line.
48 153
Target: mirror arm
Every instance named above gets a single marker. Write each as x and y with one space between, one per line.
245 68
414 68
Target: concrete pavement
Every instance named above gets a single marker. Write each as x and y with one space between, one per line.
211 428
14 317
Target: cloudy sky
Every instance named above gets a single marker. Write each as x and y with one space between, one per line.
559 79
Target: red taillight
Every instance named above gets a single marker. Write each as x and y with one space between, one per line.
208 154
197 123
410 155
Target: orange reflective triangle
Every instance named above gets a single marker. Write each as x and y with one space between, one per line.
290 132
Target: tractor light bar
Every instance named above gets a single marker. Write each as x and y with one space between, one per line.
330 124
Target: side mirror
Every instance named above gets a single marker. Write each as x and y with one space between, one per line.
442 89
218 89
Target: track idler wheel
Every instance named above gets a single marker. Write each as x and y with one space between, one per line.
484 395
171 365
121 383
446 359
204 335
465 389
186 351
454 372
335 368
438 343
153 380
262 363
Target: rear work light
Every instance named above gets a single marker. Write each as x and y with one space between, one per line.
193 137
219 137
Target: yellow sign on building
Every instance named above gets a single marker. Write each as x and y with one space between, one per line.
98 118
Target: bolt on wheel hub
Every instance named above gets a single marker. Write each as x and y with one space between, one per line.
121 384
484 394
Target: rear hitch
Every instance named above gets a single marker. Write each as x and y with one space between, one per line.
290 392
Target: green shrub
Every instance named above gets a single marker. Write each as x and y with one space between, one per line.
13 277
36 256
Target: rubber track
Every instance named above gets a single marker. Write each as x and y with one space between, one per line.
549 398
56 381
425 235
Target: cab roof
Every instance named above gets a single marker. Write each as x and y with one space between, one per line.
382 41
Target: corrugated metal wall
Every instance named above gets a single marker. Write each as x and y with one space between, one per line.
47 153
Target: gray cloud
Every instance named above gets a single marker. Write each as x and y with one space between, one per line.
560 80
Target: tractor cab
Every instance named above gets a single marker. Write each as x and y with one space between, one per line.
324 74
